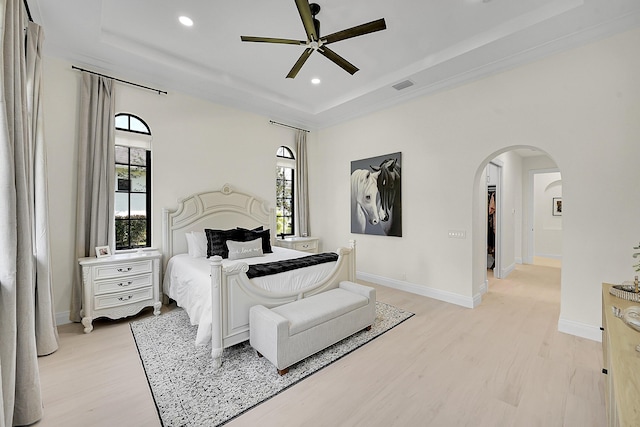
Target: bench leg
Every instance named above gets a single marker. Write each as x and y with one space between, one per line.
283 371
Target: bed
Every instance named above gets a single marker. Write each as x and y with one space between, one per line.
217 293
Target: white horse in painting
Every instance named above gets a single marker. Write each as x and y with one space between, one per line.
365 200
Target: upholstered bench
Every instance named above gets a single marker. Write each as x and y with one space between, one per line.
291 332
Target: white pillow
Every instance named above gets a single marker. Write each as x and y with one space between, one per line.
190 243
197 244
239 250
200 240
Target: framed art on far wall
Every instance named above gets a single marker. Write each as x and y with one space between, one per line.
557 206
376 195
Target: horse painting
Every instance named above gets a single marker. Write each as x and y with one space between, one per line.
365 200
390 196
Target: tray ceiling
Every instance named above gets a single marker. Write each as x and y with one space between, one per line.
427 46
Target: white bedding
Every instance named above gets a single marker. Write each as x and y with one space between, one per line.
187 281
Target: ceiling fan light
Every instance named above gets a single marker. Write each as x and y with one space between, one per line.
315 81
314 42
186 21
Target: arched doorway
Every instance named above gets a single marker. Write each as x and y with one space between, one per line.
515 215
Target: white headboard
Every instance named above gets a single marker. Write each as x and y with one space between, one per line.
223 209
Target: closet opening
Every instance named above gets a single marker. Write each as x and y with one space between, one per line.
493 214
491 227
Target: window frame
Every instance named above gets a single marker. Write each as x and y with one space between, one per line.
285 159
128 219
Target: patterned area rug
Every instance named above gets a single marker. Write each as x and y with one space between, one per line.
188 392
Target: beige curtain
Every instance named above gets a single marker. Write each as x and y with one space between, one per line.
46 331
302 195
96 175
25 281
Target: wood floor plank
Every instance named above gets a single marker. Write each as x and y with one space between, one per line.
503 363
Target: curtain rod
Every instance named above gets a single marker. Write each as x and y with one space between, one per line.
288 126
122 81
26 6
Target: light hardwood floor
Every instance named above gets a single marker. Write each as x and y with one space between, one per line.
501 364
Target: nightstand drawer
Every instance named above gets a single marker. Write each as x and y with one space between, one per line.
303 244
306 246
122 284
122 269
123 298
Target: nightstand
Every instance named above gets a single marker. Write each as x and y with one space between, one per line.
119 285
304 244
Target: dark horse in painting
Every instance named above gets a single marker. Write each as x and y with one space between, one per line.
390 196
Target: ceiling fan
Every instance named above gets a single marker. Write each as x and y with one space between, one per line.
315 42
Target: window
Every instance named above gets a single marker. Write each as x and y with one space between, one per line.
285 168
133 182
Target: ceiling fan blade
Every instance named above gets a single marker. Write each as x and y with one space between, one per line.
369 27
307 19
271 40
299 63
339 60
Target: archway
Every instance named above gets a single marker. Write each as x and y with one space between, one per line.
518 163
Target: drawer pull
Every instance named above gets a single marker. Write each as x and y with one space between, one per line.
125 284
127 298
124 270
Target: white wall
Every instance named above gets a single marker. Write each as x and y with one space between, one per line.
580 107
60 103
196 146
547 227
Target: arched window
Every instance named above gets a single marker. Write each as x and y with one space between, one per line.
133 182
285 187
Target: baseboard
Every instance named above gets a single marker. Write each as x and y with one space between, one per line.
484 287
62 318
566 326
580 329
552 256
424 291
506 271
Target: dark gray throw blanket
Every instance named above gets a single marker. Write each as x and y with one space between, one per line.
259 270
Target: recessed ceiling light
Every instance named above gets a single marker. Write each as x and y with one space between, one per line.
186 21
315 81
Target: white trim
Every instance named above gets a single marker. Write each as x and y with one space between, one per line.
425 291
553 256
504 272
484 287
578 329
570 327
477 300
62 318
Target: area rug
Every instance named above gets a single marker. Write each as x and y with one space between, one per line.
188 392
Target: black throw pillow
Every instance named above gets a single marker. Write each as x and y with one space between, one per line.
217 241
